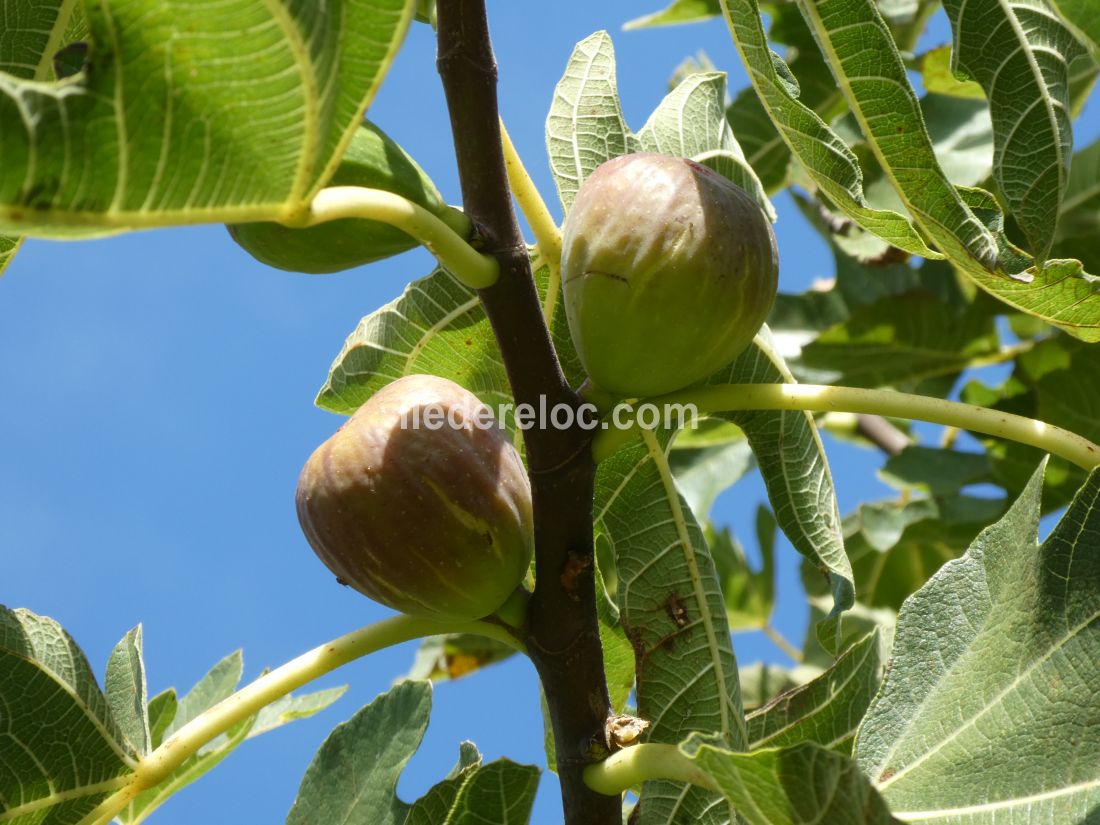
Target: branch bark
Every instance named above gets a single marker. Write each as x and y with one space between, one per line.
563 634
882 434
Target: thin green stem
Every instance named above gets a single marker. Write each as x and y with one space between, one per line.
781 642
174 751
547 234
437 235
631 767
730 397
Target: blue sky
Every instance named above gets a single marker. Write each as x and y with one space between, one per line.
157 408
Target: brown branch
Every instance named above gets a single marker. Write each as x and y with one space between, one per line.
563 635
882 434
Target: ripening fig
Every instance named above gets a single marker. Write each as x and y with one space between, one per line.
669 270
434 521
372 160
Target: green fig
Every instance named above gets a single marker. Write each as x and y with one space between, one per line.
372 160
434 521
668 269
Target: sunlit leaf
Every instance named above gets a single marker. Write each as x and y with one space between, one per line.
989 697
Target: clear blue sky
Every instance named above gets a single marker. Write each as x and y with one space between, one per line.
157 408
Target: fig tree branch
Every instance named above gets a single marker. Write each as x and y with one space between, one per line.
176 749
882 433
817 398
563 635
443 238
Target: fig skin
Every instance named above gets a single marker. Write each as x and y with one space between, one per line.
434 523
669 270
372 160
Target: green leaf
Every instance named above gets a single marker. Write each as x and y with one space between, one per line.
678 11
703 473
500 793
987 704
760 683
750 594
797 785
437 326
763 146
218 683
824 156
1081 205
353 777
8 247
966 225
935 471
1081 16
796 473
63 749
586 127
618 652
162 710
434 806
576 144
1019 51
1058 382
453 656
826 710
126 691
938 77
167 715
672 611
34 32
858 622
896 546
292 708
691 123
237 128
888 113
901 341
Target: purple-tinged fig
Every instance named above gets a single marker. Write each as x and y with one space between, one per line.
421 502
669 270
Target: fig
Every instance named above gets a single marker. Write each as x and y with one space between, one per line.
372 160
668 268
432 521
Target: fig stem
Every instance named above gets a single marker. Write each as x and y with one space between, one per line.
543 225
813 397
159 764
437 235
632 766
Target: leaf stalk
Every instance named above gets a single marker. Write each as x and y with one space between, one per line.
174 751
818 398
440 237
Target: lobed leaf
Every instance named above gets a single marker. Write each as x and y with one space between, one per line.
672 611
801 784
984 713
63 750
353 777
127 693
192 112
826 710
585 125
796 473
1019 51
437 326
823 155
